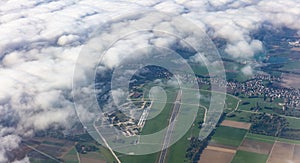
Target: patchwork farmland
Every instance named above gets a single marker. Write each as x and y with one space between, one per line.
233 143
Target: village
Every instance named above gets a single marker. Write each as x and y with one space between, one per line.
260 86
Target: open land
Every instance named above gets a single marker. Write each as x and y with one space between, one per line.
216 155
235 124
256 146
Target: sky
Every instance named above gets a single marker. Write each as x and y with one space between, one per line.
40 41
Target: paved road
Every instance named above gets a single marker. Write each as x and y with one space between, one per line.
168 134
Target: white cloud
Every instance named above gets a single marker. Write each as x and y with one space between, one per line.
24 160
247 70
40 42
243 49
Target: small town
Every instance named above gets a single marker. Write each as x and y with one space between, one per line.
258 87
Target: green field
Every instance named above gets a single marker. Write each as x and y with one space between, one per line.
239 116
160 121
199 70
293 122
93 155
229 66
228 136
291 66
150 158
71 156
270 139
151 126
289 141
231 102
249 157
102 154
177 152
263 138
42 161
254 102
53 143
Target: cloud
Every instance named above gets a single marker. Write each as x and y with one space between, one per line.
7 143
247 70
24 160
243 48
40 42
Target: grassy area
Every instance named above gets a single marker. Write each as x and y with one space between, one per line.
291 66
248 103
106 154
150 158
42 161
71 156
102 154
249 157
151 126
270 139
289 141
177 152
293 122
262 138
229 67
228 136
160 121
232 70
199 70
238 76
205 98
93 155
231 102
53 143
239 116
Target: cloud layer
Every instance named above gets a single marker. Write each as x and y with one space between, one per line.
40 42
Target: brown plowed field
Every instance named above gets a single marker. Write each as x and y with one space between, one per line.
284 153
216 155
235 124
256 146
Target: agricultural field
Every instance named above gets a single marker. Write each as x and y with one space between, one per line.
150 158
249 157
289 141
235 124
177 152
262 138
284 152
55 150
256 146
216 155
228 136
71 156
293 122
47 148
161 120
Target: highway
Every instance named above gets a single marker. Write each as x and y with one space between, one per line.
168 134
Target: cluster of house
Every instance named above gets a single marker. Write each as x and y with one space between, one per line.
260 86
